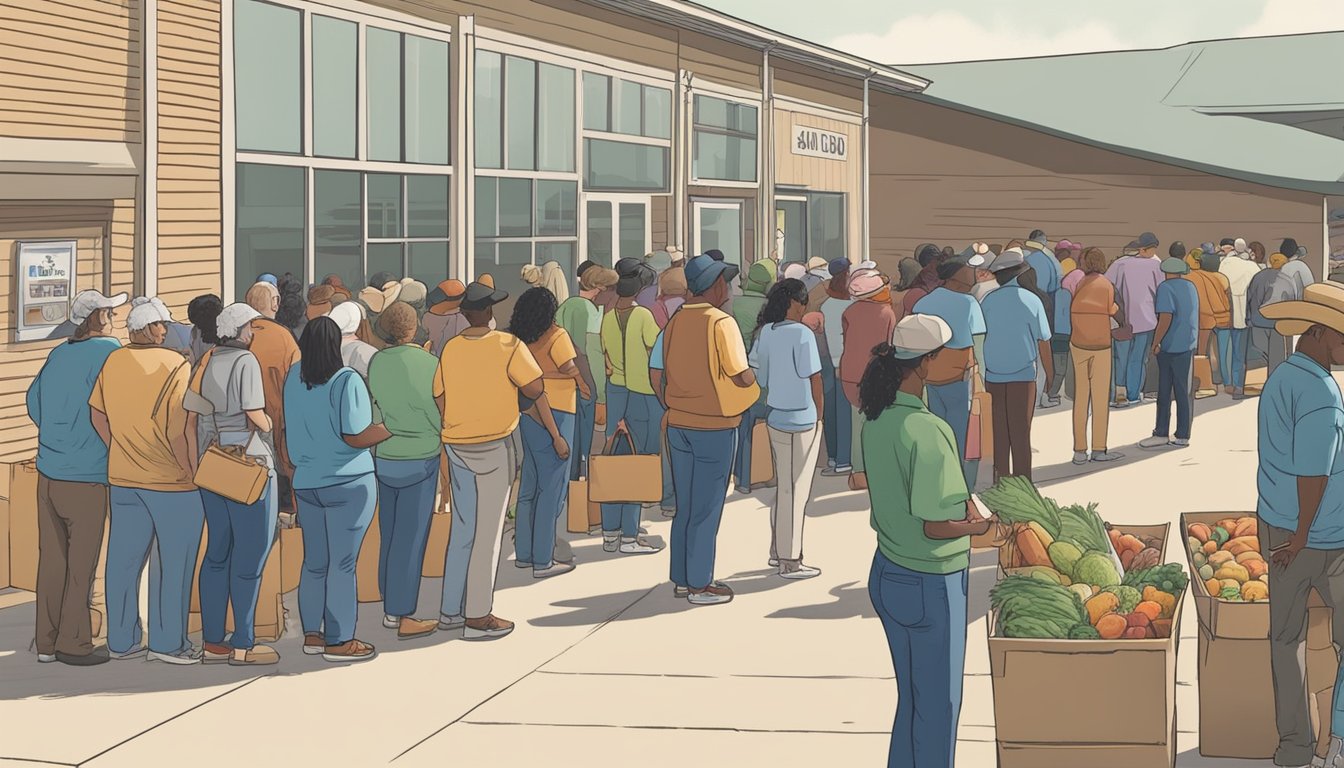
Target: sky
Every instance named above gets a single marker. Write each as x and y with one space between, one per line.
934 31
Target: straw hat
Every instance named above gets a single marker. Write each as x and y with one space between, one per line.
1321 304
377 300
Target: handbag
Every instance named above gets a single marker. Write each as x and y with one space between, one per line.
627 478
228 471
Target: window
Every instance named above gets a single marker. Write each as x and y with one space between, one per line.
408 226
524 221
520 117
826 226
525 114
269 223
338 246
489 110
620 106
268 73
335 73
407 92
725 140
617 166
555 118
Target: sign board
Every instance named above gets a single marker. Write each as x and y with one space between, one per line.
46 277
814 142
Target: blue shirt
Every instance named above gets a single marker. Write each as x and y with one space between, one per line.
68 448
786 358
1049 278
316 423
960 311
1063 308
1179 299
1302 435
656 354
1015 324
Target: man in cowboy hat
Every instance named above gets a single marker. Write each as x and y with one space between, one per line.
1301 499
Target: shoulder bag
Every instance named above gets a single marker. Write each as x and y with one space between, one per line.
227 470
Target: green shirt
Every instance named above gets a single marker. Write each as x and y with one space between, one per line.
401 383
582 320
630 360
746 309
914 476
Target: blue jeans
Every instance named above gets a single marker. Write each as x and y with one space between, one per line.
582 445
643 414
700 461
335 520
1174 370
952 403
239 540
742 460
837 426
924 617
1231 356
406 491
1136 365
624 404
165 527
542 490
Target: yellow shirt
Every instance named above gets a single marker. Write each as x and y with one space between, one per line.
629 351
479 378
552 351
1067 265
128 391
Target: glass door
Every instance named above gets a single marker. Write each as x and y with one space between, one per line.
618 227
718 225
791 228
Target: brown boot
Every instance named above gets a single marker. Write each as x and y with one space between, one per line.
858 481
410 628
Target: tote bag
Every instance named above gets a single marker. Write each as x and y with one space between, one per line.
625 479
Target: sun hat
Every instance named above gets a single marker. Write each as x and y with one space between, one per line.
1067 245
864 283
1240 248
446 296
412 291
267 277
146 311
1321 304
703 270
87 302
232 319
347 316
715 254
1174 266
816 263
486 279
917 335
376 300
319 300
380 279
838 267
1011 257
480 295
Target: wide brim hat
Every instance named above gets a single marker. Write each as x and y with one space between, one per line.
1174 266
378 300
1009 258
481 296
1321 304
446 297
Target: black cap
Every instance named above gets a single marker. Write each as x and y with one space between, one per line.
927 254
951 267
715 254
1289 247
1177 250
481 296
584 267
1227 241
380 279
1148 240
1037 236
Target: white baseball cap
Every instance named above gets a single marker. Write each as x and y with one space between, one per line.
917 335
146 311
347 315
795 270
232 319
86 303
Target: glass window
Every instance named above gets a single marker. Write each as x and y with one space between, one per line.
336 226
627 107
335 61
555 118
557 208
487 207
508 275
600 232
384 209
721 228
515 207
427 206
615 165
826 226
596 102
483 260
270 223
426 101
268 73
791 217
489 110
711 112
657 113
632 225
724 158
520 113
429 263
383 93
385 257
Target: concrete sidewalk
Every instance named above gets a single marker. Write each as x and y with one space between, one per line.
606 668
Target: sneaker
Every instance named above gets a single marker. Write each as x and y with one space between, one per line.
391 622
773 562
135 652
350 650
797 570
1334 756
92 659
1106 456
611 542
1154 442
1121 404
182 658
745 491
450 623
714 594
313 644
594 530
216 653
556 569
669 512
46 658
521 564
487 628
256 656
1149 397
409 628
1180 442
638 546
680 592
837 471
1080 457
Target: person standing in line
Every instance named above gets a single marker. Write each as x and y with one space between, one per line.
543 489
71 482
837 418
293 311
227 392
1067 253
1049 278
949 381
1215 304
702 376
1263 341
276 352
1239 270
924 517
1258 256
401 381
199 337
788 367
928 256
868 322
136 409
1295 268
1136 279
1122 334
443 320
1177 306
1300 481
671 295
484 377
581 318
746 311
1093 311
355 354
1017 340
658 263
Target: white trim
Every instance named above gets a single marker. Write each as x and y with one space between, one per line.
798 106
149 224
623 138
1326 253
310 225
506 42
701 203
865 233
361 100
342 164
399 240
228 144
616 200
306 80
682 158
765 163
461 248
690 144
353 10
536 175
732 93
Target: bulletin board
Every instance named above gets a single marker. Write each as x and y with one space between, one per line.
46 282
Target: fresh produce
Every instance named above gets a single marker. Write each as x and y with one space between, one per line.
1031 548
1045 536
1083 591
1102 604
1166 601
1043 572
1096 568
1030 607
1084 632
1016 501
1150 609
1170 578
1227 559
1112 626
1232 571
1083 526
1128 596
1252 591
1135 553
1065 556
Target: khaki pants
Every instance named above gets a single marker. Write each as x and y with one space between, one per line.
795 466
1092 382
482 478
70 521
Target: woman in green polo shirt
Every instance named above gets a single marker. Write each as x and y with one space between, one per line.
924 518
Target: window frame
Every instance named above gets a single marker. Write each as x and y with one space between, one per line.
694 128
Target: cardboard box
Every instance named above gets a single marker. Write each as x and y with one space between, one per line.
1130 722
1220 618
1249 692
762 455
269 623
22 500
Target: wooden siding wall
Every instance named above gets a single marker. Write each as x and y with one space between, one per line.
190 243
821 175
71 69
941 175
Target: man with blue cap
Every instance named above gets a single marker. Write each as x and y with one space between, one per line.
1174 342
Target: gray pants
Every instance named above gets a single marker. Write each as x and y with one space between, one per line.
482 477
1265 344
1324 570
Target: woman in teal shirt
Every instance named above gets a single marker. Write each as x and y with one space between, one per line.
924 519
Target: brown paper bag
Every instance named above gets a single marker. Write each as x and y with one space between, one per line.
762 455
366 566
436 547
576 515
625 479
291 558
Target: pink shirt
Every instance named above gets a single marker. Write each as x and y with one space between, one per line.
1136 279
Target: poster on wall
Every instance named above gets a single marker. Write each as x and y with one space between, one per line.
46 276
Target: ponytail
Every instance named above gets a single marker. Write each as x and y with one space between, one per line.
882 380
778 300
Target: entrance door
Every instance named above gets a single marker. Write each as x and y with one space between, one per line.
718 225
617 227
791 228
